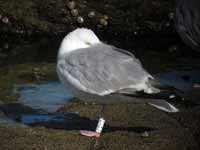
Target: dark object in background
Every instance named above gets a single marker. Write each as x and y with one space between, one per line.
187 21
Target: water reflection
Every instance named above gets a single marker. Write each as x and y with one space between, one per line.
180 79
45 97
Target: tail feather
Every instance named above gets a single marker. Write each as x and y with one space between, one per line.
163 105
159 103
166 89
156 94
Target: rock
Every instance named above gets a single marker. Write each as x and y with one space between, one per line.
91 14
71 4
103 22
145 134
5 20
74 12
80 19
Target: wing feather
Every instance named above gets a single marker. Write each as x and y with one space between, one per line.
102 69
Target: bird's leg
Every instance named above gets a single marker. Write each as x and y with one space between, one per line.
99 127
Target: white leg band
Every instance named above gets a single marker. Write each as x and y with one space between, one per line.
100 125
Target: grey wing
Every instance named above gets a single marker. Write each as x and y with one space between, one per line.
103 69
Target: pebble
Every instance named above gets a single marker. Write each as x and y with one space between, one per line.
145 134
5 20
36 69
71 4
99 26
103 22
167 24
91 14
135 33
105 17
171 15
74 12
80 19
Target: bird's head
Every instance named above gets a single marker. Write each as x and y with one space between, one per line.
78 39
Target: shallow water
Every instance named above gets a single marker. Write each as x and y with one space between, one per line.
44 99
37 103
47 97
180 79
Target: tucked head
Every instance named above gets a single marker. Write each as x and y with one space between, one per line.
77 39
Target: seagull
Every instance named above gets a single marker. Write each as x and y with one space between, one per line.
102 73
187 22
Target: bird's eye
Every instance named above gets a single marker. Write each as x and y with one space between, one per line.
88 43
